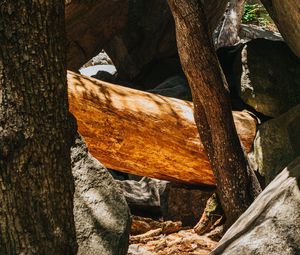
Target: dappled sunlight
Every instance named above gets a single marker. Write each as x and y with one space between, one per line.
118 97
142 133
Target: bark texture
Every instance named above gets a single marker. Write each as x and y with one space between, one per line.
144 134
286 16
236 183
228 33
36 194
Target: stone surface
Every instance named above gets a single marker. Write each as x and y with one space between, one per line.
101 59
277 143
149 35
89 26
271 225
101 213
176 86
176 202
184 203
267 76
249 32
103 72
144 196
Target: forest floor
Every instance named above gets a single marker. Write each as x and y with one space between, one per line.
184 242
151 237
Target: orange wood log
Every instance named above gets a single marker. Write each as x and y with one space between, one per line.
144 134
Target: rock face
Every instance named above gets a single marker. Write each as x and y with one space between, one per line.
101 59
176 86
267 76
101 213
286 15
271 225
149 34
176 202
143 197
277 143
184 203
90 25
250 32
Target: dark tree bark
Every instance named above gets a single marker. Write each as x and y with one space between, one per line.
36 183
236 183
286 16
228 32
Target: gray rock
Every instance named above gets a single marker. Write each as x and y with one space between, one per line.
101 59
176 86
267 76
271 225
143 196
277 143
175 202
101 213
250 32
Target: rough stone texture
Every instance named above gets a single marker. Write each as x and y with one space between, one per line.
101 59
150 34
250 32
151 197
271 225
277 143
143 197
267 76
286 16
101 72
90 25
176 86
184 203
101 213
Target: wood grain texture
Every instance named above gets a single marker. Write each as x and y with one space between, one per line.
143 133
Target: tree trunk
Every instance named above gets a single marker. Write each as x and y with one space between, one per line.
145 134
36 194
286 16
228 32
236 183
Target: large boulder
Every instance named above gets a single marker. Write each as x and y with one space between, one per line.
143 196
271 225
176 86
101 213
185 203
277 143
176 202
149 35
266 75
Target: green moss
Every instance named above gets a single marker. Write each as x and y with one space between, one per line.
256 14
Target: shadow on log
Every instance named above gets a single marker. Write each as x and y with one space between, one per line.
145 134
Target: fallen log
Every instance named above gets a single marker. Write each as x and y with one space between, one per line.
145 134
